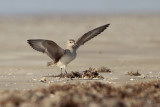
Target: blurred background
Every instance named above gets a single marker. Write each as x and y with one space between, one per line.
134 25
23 7
130 43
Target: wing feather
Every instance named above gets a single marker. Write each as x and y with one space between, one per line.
46 46
89 35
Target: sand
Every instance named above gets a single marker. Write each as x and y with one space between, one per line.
131 43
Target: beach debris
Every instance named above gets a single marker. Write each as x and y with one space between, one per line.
34 79
43 79
85 95
132 73
91 73
132 79
142 76
104 69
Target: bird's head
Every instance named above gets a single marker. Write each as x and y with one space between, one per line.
70 43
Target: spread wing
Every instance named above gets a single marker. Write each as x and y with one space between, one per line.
46 46
89 35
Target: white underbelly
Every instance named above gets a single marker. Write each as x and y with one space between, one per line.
65 60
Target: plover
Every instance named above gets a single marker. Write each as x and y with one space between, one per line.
62 57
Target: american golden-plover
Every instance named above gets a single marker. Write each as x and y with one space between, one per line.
62 57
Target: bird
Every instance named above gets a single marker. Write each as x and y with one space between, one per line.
62 57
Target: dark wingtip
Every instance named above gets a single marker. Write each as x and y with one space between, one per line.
107 25
29 42
104 26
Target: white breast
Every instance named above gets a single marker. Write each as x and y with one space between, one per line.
66 58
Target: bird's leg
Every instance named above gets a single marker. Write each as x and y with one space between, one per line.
65 69
61 71
60 74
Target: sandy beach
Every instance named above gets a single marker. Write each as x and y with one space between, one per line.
130 44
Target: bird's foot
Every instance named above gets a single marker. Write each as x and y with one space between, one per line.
51 63
60 75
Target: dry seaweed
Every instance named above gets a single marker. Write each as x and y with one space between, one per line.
88 94
132 73
104 69
87 74
91 73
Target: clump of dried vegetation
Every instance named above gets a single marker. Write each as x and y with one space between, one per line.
91 73
104 69
87 94
132 73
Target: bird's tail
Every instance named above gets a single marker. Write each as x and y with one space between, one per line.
50 64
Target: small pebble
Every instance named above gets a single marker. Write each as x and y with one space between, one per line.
142 76
34 79
43 79
131 79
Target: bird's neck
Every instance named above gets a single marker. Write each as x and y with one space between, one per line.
70 48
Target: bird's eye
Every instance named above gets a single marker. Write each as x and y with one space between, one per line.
70 42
